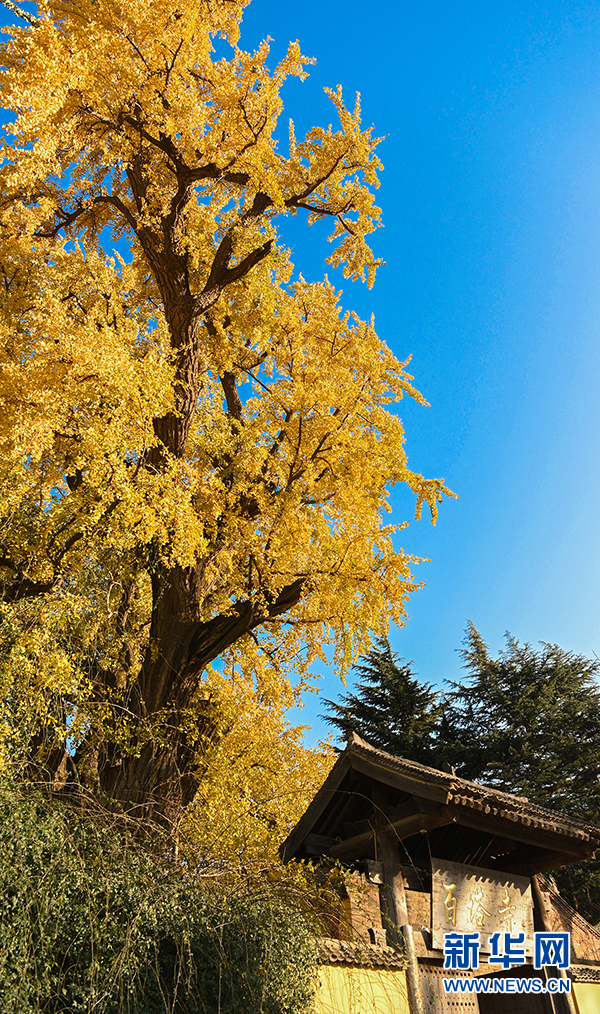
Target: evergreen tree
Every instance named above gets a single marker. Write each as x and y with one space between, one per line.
391 708
527 722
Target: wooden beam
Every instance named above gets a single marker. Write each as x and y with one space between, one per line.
413 823
419 822
318 844
352 848
398 780
515 831
543 862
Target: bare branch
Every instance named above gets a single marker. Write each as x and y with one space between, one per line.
234 402
31 18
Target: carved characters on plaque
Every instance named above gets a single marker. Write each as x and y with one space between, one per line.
476 909
450 904
506 913
469 899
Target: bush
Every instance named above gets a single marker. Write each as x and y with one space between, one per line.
92 921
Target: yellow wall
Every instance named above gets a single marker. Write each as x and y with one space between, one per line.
587 997
344 990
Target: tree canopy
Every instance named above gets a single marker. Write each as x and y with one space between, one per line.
391 709
255 779
528 722
196 443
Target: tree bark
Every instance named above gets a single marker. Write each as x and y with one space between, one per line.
155 776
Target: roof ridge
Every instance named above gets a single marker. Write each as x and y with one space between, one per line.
454 782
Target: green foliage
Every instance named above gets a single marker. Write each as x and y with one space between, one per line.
391 709
90 921
527 722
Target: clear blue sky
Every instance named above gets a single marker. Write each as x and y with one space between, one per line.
491 199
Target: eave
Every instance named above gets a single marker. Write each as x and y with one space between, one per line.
343 822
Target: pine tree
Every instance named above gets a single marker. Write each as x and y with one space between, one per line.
527 722
391 708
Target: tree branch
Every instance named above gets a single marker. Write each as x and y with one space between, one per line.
217 634
234 402
221 275
24 588
31 18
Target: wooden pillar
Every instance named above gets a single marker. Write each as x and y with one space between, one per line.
562 1003
395 898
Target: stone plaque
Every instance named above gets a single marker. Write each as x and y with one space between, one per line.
470 900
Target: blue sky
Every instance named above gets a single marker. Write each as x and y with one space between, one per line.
491 200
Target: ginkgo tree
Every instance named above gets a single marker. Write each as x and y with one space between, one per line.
197 445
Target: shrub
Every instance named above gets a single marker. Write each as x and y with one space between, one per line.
92 921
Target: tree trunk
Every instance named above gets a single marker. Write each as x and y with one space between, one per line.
151 774
155 777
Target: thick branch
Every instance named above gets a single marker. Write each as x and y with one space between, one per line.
221 275
249 262
213 637
24 588
234 402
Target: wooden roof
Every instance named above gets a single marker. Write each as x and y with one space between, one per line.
369 791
